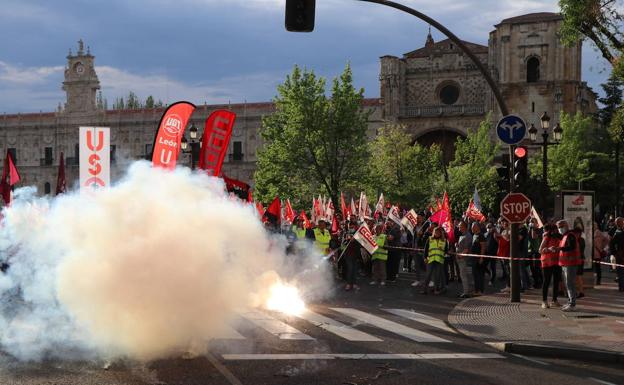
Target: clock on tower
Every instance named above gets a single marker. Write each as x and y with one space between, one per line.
81 82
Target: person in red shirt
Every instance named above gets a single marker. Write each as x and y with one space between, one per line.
549 258
569 259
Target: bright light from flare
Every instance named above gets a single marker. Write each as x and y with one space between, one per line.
285 299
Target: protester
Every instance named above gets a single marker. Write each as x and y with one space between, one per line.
502 236
549 258
379 258
578 232
393 240
322 237
351 255
535 240
435 249
463 246
601 244
616 248
423 232
478 264
569 256
491 246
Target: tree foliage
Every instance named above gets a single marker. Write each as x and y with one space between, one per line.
313 143
568 162
473 167
405 172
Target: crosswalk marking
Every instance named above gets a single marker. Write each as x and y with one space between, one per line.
374 356
274 326
336 327
422 318
393 327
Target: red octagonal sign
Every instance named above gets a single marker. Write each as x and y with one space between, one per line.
515 208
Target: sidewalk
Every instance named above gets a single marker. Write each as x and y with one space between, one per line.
597 324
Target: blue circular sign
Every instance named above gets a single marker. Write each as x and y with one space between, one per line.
511 129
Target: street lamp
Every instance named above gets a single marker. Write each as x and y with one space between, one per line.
557 134
194 144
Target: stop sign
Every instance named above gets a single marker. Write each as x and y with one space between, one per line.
515 207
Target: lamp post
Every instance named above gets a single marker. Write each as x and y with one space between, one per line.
557 134
194 143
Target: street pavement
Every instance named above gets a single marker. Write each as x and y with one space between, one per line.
377 335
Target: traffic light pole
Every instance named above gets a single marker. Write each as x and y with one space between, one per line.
514 266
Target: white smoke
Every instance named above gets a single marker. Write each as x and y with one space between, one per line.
150 267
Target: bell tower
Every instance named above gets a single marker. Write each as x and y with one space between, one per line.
81 82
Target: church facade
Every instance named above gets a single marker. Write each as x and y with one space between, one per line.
435 91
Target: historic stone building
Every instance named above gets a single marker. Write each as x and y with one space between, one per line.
436 91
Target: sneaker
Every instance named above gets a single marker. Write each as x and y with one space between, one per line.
490 284
545 305
568 308
383 283
464 295
416 283
555 304
373 283
431 284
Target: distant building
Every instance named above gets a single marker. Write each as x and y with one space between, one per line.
436 91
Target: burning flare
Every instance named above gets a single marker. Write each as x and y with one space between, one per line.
285 299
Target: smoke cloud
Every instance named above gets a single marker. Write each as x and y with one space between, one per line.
157 264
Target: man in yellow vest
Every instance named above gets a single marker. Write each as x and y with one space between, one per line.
379 258
435 249
322 237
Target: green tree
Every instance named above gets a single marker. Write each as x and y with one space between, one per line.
473 167
149 102
133 102
406 173
568 162
99 101
313 143
598 21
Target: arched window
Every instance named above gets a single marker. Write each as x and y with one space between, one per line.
533 70
46 188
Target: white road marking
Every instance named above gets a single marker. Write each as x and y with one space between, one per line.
363 356
274 326
338 328
422 318
622 322
530 359
600 381
223 370
393 327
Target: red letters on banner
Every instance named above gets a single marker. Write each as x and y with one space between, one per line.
217 133
170 131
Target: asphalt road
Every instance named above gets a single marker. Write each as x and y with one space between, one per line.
377 335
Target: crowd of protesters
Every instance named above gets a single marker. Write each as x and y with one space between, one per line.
552 255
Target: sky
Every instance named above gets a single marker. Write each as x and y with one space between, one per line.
220 51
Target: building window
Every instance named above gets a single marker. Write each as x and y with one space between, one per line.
46 188
48 156
532 106
449 94
13 152
237 151
148 151
533 70
113 153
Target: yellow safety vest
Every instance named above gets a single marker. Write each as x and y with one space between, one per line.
381 253
322 240
300 233
436 250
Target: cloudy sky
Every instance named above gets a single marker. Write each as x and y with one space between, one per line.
217 51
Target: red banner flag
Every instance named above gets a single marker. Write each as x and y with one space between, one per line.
343 206
217 133
334 227
260 208
61 184
306 221
445 203
474 213
171 128
273 213
237 187
289 214
10 176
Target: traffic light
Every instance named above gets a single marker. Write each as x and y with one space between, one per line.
300 15
521 169
503 179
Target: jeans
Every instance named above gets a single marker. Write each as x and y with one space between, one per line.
463 272
492 263
435 271
569 278
598 272
478 272
379 270
408 258
620 273
524 275
392 266
352 265
554 273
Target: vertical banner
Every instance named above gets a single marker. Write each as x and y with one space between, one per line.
578 211
94 158
217 132
171 128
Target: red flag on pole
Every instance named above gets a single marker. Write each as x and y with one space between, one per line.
445 203
171 128
474 213
334 227
260 208
343 206
352 208
217 133
289 215
9 172
61 184
438 204
273 213
306 221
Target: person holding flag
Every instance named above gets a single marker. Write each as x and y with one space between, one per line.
379 258
435 250
351 256
322 236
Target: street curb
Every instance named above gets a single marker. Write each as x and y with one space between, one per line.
553 351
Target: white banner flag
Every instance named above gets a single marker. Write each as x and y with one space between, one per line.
409 221
393 215
94 157
365 238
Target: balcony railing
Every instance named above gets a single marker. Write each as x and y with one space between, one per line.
442 110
